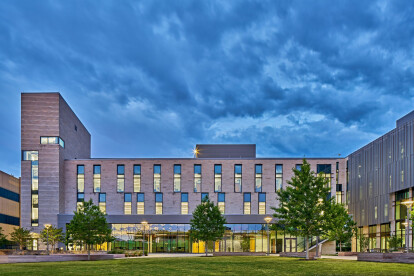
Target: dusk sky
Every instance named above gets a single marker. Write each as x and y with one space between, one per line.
153 78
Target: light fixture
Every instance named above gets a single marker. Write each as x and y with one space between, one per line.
268 219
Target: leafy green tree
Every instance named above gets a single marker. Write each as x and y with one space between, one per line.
340 225
303 204
394 242
89 226
363 243
207 223
52 233
20 236
2 236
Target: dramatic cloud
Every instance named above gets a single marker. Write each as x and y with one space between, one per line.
153 78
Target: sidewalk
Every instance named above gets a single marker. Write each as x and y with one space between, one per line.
349 258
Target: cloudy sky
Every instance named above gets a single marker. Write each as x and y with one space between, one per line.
153 78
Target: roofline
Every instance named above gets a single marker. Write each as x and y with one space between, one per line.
195 159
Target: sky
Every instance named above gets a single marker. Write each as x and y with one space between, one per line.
154 78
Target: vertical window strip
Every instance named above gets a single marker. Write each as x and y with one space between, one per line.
96 178
120 179
262 203
177 178
184 203
237 178
33 157
157 178
247 203
217 178
137 178
158 204
102 202
278 177
140 204
221 202
258 179
127 204
197 178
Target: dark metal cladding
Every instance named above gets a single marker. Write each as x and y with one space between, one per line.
226 151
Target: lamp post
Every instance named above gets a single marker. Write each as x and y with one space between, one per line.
268 220
47 238
144 224
408 203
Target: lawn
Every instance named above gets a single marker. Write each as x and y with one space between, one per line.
209 266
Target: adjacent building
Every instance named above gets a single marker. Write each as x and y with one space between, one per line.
9 203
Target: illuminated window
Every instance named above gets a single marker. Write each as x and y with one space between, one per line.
157 178
79 201
217 178
262 203
97 178
33 157
237 178
81 179
158 203
137 178
184 203
258 179
140 204
120 179
177 178
221 202
102 202
246 203
325 171
197 178
375 212
339 193
46 140
278 176
127 203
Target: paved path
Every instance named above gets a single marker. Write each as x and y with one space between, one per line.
349 258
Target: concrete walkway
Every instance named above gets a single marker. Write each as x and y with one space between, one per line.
349 258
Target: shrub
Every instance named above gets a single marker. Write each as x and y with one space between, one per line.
140 253
146 253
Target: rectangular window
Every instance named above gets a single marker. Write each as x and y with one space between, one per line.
177 178
137 178
237 178
102 202
157 178
278 177
197 178
120 179
184 203
140 204
258 179
79 201
339 193
337 172
298 167
158 203
81 179
217 178
325 171
262 203
203 196
221 198
33 156
246 203
96 178
56 140
127 204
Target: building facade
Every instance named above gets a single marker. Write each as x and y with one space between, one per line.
58 174
9 203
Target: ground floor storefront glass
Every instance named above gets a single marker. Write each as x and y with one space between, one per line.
174 238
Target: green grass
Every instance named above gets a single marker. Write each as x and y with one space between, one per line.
242 265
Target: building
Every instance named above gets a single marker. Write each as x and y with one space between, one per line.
9 203
381 177
58 174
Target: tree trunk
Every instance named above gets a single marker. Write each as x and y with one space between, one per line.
317 247
307 247
340 246
206 247
89 251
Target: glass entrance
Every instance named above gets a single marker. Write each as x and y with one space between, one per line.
290 244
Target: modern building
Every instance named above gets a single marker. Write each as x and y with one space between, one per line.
58 174
9 203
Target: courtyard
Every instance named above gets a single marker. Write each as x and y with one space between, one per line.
241 265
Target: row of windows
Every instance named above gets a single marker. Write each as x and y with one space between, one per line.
33 157
45 140
120 187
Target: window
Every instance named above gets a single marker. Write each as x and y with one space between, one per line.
298 167
137 178
102 202
140 204
184 203
79 201
325 171
221 202
278 176
177 178
339 193
258 179
237 178
197 178
158 203
46 140
33 156
157 178
96 178
217 178
127 203
246 203
262 203
120 179
203 196
81 179
337 172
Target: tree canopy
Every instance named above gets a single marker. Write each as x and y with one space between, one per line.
52 235
20 236
340 225
89 226
207 223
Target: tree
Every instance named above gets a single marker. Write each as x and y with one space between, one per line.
394 242
20 236
2 236
340 225
89 226
363 243
207 223
303 204
52 233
